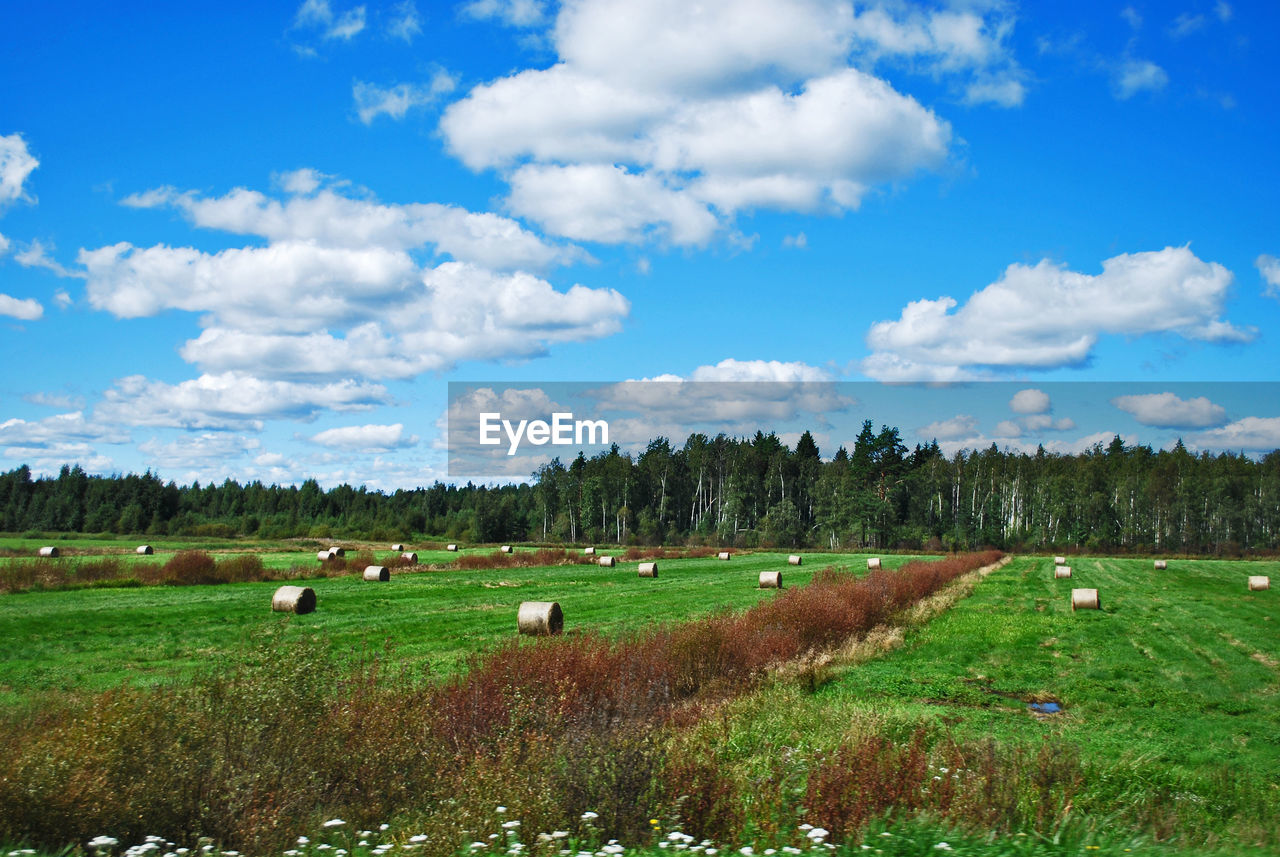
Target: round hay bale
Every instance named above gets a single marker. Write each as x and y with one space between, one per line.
1085 599
1059 560
540 618
48 551
723 555
451 548
770 580
1161 565
378 573
607 561
324 556
1062 571
398 548
588 551
795 559
410 556
873 563
648 569
294 599
337 551
144 550
1259 582
505 548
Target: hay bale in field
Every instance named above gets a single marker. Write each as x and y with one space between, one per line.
410 556
294 599
1085 599
873 563
144 550
588 551
607 561
1059 560
1161 565
451 548
337 551
1062 571
324 556
398 548
770 580
1259 582
723 555
648 569
795 559
48 551
378 573
505 548
540 618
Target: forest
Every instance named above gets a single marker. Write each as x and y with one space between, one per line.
721 490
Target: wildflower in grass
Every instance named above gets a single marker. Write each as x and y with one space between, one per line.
806 827
418 837
333 822
302 840
476 846
559 834
818 834
589 815
510 825
746 851
942 846
103 843
790 849
500 810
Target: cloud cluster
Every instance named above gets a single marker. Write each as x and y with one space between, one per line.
1167 410
662 119
338 290
395 101
1269 267
1044 316
16 164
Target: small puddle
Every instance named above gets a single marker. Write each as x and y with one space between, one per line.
1045 707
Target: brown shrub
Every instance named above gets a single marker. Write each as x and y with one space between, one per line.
189 567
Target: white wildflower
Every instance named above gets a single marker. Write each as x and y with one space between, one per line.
942 846
589 815
333 822
510 825
817 834
500 810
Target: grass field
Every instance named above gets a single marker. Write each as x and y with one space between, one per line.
94 639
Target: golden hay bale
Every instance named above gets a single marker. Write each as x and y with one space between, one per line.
795 559
48 551
648 569
294 599
607 561
379 573
399 548
451 548
324 556
540 618
588 551
1161 565
723 555
144 550
410 556
770 580
1259 582
337 551
873 563
1062 571
1085 599
1059 560
505 548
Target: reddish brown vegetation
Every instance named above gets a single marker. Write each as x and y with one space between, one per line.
522 559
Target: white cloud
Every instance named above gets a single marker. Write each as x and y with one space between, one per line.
197 450
318 15
36 256
16 163
513 13
1047 316
1186 24
404 23
799 241
961 425
1167 410
1254 434
669 110
4 245
1132 15
230 400
57 429
366 438
1269 268
26 309
1029 445
1133 76
395 101
1008 428
1044 422
55 400
62 299
48 460
1223 10
1030 401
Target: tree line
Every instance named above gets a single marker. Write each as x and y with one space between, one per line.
746 492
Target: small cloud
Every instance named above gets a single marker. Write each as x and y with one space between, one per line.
1269 267
62 299
405 23
1185 24
395 101
55 400
1224 11
26 309
36 256
959 426
512 13
1029 401
1134 76
1165 410
799 241
1008 428
16 163
318 15
1132 15
1256 434
643 265
368 438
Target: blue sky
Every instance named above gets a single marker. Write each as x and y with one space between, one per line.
258 241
